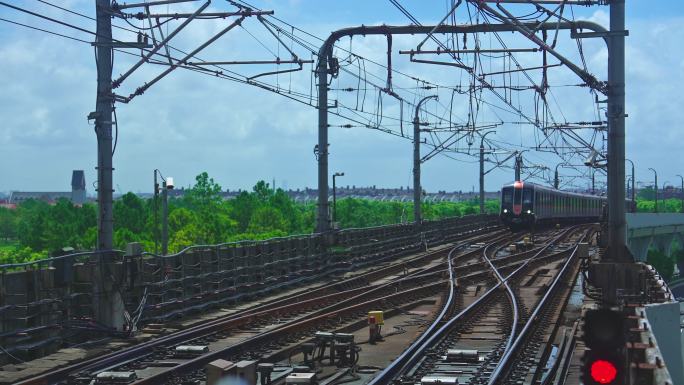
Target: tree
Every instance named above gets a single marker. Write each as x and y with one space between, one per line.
646 193
32 224
266 219
8 223
287 208
124 236
243 207
212 224
262 191
661 262
130 213
205 194
644 206
180 218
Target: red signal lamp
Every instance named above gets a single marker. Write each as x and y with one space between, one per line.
603 372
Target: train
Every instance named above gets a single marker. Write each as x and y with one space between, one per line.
525 205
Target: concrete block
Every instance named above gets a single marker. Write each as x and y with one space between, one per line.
218 369
134 249
246 370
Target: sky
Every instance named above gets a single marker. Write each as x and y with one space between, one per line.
188 122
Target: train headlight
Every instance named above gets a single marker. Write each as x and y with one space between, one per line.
505 211
529 211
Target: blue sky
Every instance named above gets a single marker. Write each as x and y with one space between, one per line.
189 123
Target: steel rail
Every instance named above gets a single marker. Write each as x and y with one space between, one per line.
427 336
290 327
242 317
532 319
332 309
410 357
322 313
511 297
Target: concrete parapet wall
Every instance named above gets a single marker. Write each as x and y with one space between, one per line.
42 302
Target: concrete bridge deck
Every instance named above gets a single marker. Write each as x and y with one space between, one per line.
658 230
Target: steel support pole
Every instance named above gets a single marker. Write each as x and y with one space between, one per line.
556 177
682 194
108 307
417 189
323 220
156 213
627 186
103 126
556 182
325 58
655 187
518 166
633 190
633 185
165 219
482 172
482 175
334 213
616 134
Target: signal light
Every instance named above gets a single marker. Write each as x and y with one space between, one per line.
604 329
604 361
603 372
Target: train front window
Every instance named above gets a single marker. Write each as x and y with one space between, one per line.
527 196
517 195
506 197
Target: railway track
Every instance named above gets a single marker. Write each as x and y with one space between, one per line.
479 286
295 315
505 321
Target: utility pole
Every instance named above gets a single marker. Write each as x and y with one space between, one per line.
323 220
417 189
165 219
156 213
633 186
518 166
682 193
107 304
104 109
482 172
334 213
655 187
556 178
616 134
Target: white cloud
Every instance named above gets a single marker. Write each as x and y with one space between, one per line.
188 122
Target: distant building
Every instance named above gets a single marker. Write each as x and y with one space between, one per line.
402 194
77 195
78 189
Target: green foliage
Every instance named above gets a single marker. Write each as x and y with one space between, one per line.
20 255
42 227
662 263
201 216
678 255
8 224
130 213
646 193
671 205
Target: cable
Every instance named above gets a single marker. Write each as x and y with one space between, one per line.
47 18
45 30
295 36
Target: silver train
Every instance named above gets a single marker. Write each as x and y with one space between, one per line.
524 205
